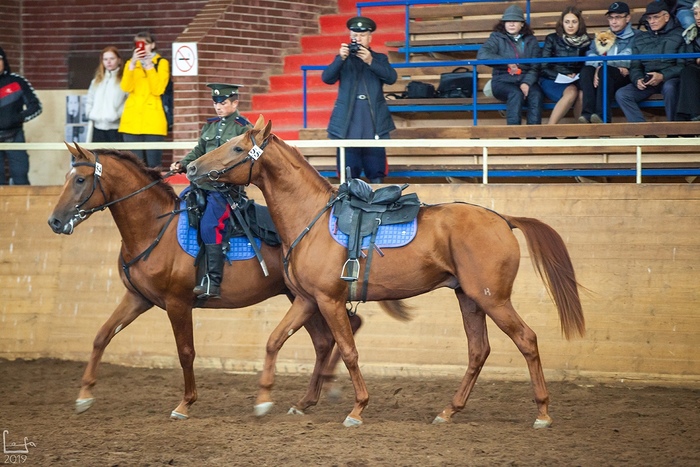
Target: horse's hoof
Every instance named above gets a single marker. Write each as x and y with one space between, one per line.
81 405
263 409
438 420
351 422
175 415
542 423
295 411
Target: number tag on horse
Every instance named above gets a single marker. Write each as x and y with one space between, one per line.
255 152
98 169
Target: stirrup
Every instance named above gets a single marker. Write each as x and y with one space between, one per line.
351 270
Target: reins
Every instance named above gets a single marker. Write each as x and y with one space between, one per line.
253 155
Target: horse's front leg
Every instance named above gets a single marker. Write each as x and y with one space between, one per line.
323 342
329 369
336 316
180 315
130 308
299 313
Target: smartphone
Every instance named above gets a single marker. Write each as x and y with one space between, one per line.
141 45
647 78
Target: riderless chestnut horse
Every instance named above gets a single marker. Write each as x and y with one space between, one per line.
467 248
157 271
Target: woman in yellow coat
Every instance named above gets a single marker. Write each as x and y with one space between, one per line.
145 78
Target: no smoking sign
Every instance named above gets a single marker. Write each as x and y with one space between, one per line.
184 59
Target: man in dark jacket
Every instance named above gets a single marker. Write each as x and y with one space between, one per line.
360 111
18 104
650 77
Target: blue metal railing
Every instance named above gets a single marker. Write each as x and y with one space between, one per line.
407 49
474 107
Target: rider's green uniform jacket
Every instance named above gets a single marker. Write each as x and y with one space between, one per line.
216 132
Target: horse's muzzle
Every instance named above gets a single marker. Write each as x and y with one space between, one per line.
59 227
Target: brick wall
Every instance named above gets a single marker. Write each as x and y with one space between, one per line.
10 32
238 40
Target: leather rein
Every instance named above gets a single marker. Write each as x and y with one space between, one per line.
82 214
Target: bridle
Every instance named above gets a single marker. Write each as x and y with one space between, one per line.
253 155
96 182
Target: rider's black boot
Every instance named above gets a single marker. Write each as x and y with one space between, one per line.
210 287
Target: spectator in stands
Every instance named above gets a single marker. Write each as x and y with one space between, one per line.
684 14
18 104
515 83
649 77
591 78
360 110
105 98
145 78
689 89
569 40
216 217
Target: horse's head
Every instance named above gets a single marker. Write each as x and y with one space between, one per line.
234 161
77 195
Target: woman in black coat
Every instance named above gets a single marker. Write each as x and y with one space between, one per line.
569 40
689 90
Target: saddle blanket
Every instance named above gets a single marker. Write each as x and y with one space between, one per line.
388 236
240 248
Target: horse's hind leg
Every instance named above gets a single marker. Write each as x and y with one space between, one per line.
180 316
474 321
130 308
508 320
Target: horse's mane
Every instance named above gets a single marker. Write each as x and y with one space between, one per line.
139 165
295 150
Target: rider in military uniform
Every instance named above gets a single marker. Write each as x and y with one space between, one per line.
217 131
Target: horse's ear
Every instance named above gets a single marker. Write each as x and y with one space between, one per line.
74 152
260 123
84 153
268 129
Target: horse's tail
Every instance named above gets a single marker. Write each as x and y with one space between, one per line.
552 262
397 309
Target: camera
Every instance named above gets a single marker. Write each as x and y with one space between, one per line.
354 46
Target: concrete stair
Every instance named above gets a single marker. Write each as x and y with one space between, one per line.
283 103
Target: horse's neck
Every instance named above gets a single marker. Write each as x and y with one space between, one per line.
294 194
137 218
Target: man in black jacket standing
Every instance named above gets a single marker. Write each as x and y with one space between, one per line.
360 110
650 77
18 104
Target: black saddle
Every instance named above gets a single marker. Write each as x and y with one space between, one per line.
360 213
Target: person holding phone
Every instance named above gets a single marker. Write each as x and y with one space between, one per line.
146 75
105 98
649 77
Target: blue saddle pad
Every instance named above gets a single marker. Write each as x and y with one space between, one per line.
388 236
241 249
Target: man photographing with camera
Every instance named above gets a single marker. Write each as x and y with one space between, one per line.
360 110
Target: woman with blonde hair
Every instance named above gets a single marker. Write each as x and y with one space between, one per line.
105 99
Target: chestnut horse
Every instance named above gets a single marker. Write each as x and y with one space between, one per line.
155 269
465 247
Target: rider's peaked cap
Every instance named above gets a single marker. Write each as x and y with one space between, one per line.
361 24
225 90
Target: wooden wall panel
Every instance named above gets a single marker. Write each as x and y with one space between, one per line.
635 247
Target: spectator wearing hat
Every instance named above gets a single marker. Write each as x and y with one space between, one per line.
218 130
360 110
689 89
18 104
146 75
515 84
591 78
653 76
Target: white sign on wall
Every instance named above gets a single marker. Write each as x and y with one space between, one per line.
184 59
